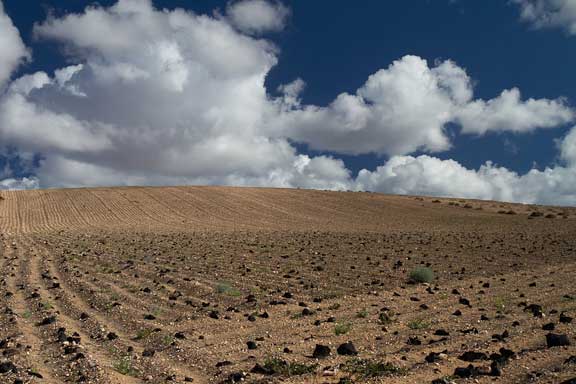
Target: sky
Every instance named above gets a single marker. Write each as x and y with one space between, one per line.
453 98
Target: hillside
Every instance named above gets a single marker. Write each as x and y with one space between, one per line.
221 284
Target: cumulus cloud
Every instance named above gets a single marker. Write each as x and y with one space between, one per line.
549 13
257 16
180 98
19 184
508 112
12 49
406 107
426 175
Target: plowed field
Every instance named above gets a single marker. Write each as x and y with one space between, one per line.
215 284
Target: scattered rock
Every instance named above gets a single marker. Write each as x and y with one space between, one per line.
321 351
347 349
473 356
556 340
564 319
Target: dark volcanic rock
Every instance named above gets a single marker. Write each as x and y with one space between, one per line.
565 319
251 345
464 372
47 321
434 356
548 327
321 351
8 367
413 341
262 370
347 349
535 309
556 340
473 356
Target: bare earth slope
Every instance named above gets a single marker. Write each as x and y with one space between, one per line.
214 284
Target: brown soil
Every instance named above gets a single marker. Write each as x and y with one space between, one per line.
168 285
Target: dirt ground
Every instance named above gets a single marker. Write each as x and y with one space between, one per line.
224 285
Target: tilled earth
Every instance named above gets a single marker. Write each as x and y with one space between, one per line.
208 284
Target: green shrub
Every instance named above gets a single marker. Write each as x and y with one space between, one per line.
124 366
285 368
362 314
144 334
418 324
342 328
386 318
226 288
367 368
422 275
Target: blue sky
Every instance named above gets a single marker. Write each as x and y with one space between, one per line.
333 47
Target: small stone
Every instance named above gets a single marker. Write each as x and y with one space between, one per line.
251 345
347 349
556 340
321 351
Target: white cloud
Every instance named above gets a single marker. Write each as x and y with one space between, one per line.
508 112
19 184
549 13
12 49
179 98
405 108
257 16
568 148
427 175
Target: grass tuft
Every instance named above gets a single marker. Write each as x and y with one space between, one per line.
124 366
418 324
342 328
421 275
367 368
225 288
285 368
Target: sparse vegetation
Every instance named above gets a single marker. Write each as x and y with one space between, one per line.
418 324
225 288
421 275
368 368
500 304
285 368
125 367
386 318
143 334
362 314
168 340
342 328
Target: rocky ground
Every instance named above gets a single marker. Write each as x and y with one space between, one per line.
224 285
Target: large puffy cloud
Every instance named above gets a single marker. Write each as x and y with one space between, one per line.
549 13
428 175
406 107
12 49
174 95
508 112
257 16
